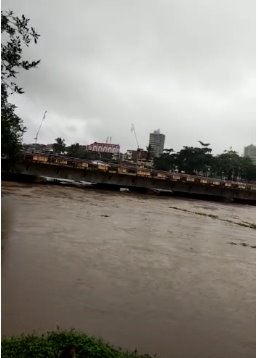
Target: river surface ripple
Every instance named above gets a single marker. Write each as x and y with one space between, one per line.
169 276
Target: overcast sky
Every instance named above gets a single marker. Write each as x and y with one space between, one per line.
184 66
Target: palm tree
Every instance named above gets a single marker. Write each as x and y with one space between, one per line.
59 146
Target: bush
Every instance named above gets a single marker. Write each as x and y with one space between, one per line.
51 344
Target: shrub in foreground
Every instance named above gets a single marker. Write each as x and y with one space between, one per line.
51 344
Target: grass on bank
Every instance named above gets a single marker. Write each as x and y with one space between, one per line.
51 344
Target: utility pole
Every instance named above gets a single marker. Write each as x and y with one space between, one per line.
37 134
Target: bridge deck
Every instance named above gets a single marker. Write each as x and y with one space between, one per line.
126 170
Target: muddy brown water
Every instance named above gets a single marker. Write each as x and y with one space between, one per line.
139 271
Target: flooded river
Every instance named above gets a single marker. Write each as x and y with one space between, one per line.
169 276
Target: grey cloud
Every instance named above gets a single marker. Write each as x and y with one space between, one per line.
186 67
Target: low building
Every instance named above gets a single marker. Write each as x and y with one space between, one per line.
49 147
34 147
136 155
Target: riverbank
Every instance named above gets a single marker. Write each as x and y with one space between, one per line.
51 344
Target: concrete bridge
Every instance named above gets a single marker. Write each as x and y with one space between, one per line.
131 177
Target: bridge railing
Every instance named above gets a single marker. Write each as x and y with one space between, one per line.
136 171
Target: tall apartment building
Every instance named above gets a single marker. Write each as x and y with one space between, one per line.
156 143
250 151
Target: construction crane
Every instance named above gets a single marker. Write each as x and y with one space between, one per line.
43 118
133 130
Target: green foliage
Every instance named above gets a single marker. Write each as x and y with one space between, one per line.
192 160
248 169
12 130
75 151
15 34
232 165
149 155
167 161
188 159
59 146
51 344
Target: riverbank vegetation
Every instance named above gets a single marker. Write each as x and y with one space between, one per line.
52 344
195 160
16 36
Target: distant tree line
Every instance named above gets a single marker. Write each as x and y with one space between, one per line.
194 160
191 160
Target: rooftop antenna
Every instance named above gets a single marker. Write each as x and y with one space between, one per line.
133 130
42 120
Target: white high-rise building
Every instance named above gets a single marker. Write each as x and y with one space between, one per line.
250 151
156 143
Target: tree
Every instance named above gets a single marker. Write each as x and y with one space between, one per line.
59 146
193 159
76 151
248 169
149 152
227 164
15 34
231 166
166 161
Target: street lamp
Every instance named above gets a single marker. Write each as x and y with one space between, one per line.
208 171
